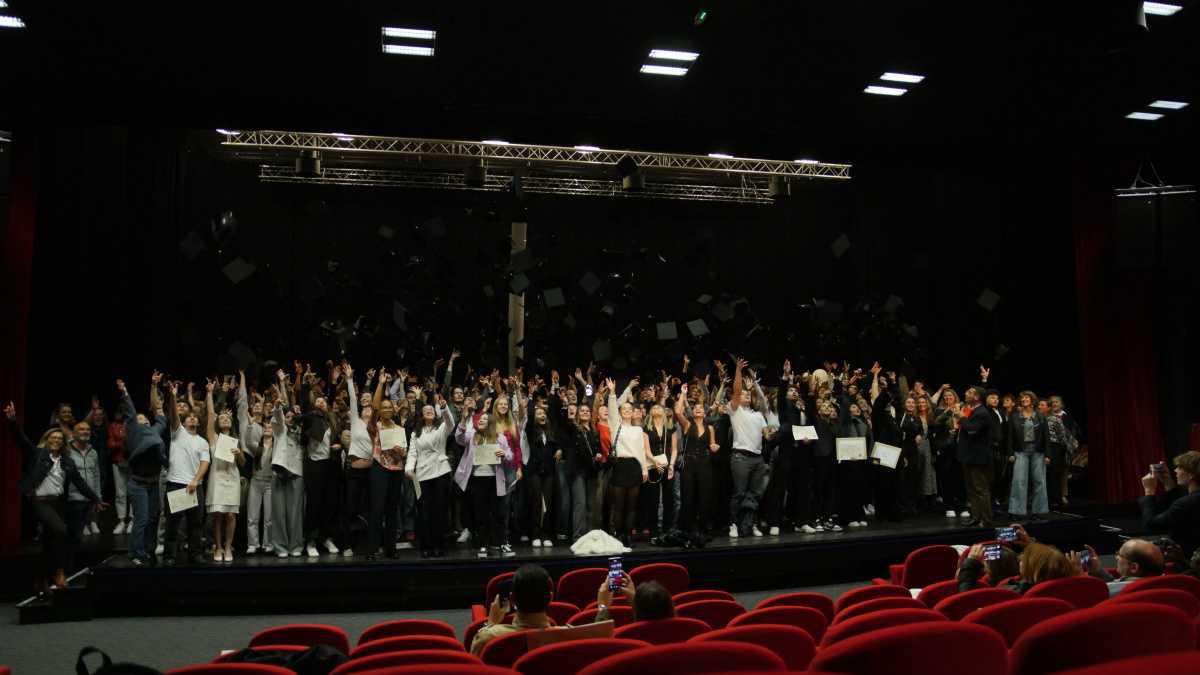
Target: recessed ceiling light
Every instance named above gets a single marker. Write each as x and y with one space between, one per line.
806 161
1144 116
1169 105
1160 8
344 137
228 132
492 141
663 70
413 33
673 55
719 155
587 148
408 50
10 22
902 77
884 91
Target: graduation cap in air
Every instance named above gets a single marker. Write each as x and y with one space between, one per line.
521 261
602 350
519 283
238 270
988 299
590 283
697 327
554 297
840 246
667 330
386 232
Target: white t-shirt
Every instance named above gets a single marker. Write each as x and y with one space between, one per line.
361 445
747 427
52 485
187 451
319 451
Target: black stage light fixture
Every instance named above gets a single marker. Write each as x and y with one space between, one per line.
309 163
632 178
779 187
475 173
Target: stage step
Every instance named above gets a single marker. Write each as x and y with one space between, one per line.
73 603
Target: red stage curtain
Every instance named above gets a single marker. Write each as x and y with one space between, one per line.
1116 339
16 275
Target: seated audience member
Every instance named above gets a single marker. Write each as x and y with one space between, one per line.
651 601
974 567
1177 510
1136 559
1040 562
531 593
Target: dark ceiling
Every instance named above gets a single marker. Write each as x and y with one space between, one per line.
777 79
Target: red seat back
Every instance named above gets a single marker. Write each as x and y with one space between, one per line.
818 601
807 619
884 618
933 648
1012 619
579 587
230 669
1081 591
956 607
689 657
561 612
1180 582
663 631
409 658
793 645
617 601
857 595
294 649
493 587
620 615
503 651
1174 662
406 643
673 577
1100 634
1173 597
893 602
935 593
703 594
929 565
441 669
309 634
716 613
568 658
402 627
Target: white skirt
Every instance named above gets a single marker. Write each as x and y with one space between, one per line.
224 488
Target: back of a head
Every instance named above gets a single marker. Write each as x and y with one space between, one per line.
1042 563
1007 565
1146 555
530 589
652 601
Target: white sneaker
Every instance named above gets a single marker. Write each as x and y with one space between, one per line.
158 550
282 554
817 527
808 529
774 531
119 529
537 543
348 553
298 552
465 536
951 514
834 527
251 550
869 509
964 514
524 538
331 547
311 550
733 533
757 532
861 523
401 545
507 551
547 543
482 551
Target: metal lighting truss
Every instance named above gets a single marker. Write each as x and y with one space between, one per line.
748 192
433 163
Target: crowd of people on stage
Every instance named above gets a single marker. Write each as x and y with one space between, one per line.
369 461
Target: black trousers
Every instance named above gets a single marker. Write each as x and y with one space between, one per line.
193 522
911 472
979 492
853 486
51 513
358 487
539 523
800 490
490 511
1057 453
696 495
320 499
950 481
648 501
77 517
383 525
889 486
433 511
825 487
778 486
722 490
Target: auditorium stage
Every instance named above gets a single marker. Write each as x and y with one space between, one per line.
266 584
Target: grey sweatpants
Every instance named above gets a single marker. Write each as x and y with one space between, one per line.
287 514
748 487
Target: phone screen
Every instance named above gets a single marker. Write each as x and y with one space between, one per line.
504 591
1085 558
1006 533
614 573
991 552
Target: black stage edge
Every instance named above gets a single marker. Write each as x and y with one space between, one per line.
266 584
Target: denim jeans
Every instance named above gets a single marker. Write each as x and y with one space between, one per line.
1029 480
143 501
748 486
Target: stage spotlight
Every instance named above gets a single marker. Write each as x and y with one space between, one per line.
309 163
632 178
779 187
475 173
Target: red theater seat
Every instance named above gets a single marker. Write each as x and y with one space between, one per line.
294 649
663 631
1012 619
1098 635
956 607
924 566
689 657
857 595
793 645
620 615
309 634
1182 600
673 577
704 594
568 658
579 587
402 627
230 669
1174 662
1081 591
807 619
935 593
877 604
885 618
408 658
505 650
1180 582
561 612
441 669
716 613
818 601
406 643
933 648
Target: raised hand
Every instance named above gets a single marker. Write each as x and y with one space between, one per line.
347 369
156 378
281 375
121 386
455 354
610 384
876 368
984 373
210 385
741 364
370 374
10 411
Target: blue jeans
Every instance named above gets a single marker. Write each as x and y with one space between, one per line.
1029 480
143 500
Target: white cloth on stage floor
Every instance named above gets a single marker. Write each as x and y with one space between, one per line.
598 542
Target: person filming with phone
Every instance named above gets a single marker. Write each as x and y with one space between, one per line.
1177 510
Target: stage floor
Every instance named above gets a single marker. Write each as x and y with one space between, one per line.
267 584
